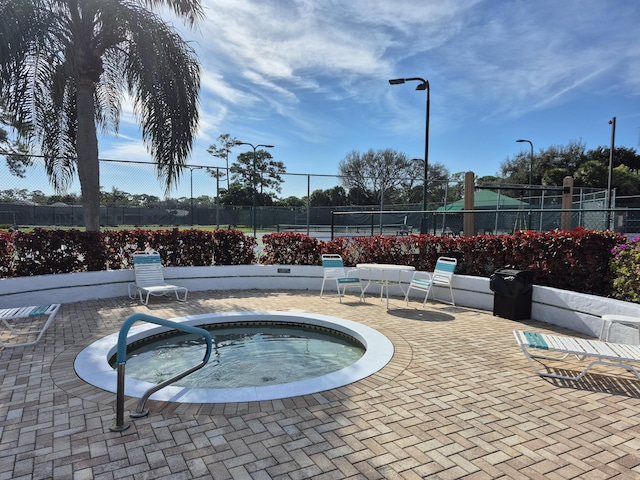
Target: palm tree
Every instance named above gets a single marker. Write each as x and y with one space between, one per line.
66 65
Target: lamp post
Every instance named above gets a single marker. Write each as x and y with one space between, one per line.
531 163
530 174
612 122
253 179
191 169
424 85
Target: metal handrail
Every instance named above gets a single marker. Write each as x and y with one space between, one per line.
120 424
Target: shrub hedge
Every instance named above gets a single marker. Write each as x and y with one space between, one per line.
580 260
625 266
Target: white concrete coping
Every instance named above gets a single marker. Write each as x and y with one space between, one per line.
92 363
576 311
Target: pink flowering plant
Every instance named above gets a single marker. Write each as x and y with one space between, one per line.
625 265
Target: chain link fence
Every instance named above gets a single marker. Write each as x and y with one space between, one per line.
194 202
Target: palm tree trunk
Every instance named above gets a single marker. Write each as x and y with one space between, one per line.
87 151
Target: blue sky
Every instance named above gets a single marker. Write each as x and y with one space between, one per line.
311 77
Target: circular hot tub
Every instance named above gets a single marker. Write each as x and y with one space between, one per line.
93 363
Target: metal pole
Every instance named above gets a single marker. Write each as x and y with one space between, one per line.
541 209
530 178
423 228
309 207
218 198
191 197
253 180
381 201
444 211
612 122
531 169
120 424
424 85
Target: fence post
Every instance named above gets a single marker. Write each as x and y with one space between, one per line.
469 191
567 201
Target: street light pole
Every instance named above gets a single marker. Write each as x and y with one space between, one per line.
424 85
612 122
531 163
253 180
530 175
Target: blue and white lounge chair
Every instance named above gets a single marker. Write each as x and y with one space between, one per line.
539 345
334 271
441 277
150 279
12 317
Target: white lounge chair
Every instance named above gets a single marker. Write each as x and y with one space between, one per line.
150 279
12 317
334 271
536 345
441 277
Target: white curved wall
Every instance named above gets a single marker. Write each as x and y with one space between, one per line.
579 312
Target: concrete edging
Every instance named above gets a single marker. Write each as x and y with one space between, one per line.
578 312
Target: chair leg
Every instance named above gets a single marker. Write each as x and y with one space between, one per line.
426 297
184 299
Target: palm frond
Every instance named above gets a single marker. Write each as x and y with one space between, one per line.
190 10
164 78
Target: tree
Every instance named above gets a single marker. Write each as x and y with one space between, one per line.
15 152
438 184
516 170
115 197
555 176
268 172
625 181
291 201
591 173
331 197
14 194
226 143
621 156
65 66
237 195
374 172
145 200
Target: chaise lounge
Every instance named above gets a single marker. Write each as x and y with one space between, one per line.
535 345
12 317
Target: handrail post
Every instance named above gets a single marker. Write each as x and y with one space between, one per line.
120 424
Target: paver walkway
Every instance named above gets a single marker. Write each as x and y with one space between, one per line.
458 400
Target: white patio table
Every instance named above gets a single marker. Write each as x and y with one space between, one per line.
383 274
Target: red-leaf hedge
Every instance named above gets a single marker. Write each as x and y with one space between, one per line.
579 260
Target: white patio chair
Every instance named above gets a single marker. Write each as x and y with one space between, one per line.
150 279
441 277
334 270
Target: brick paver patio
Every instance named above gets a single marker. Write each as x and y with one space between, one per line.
458 400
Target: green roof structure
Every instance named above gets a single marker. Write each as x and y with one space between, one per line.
486 200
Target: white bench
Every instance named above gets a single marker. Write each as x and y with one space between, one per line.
11 318
536 345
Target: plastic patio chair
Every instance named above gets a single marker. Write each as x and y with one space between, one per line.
150 279
441 277
334 270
